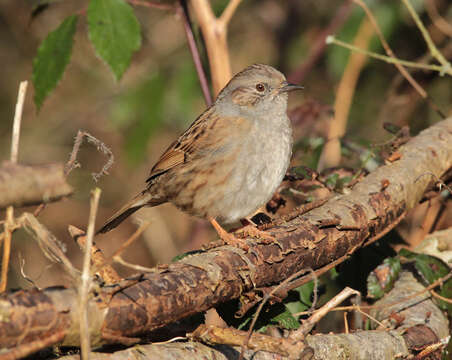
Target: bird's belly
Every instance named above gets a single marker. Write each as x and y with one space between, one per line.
253 180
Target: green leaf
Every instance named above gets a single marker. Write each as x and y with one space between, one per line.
430 269
286 320
115 33
52 58
382 279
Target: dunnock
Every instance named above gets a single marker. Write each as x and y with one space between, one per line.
230 161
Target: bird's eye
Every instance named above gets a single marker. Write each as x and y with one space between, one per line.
260 87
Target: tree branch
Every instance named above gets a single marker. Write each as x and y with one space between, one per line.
123 312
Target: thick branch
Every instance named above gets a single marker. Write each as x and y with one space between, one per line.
312 240
24 185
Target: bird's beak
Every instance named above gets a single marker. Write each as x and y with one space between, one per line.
286 87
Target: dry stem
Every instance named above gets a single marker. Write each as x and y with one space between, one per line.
86 283
307 326
9 224
73 163
183 13
215 36
331 154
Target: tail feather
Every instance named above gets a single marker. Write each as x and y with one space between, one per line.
135 204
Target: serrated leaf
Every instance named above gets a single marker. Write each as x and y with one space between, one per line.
52 58
115 33
286 320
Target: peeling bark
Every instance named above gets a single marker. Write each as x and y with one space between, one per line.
24 185
312 240
410 337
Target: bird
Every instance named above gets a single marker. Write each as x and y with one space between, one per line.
230 160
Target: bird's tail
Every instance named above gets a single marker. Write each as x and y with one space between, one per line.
128 209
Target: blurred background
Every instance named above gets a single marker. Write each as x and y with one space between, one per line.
159 96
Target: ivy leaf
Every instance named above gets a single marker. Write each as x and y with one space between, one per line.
52 58
114 32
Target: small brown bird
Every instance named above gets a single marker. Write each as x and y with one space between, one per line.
230 161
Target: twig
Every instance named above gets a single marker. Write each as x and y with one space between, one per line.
105 271
296 283
215 36
127 243
346 322
435 294
17 121
267 297
118 259
73 163
86 283
307 325
403 300
431 45
182 10
10 224
332 40
331 153
420 90
49 244
229 11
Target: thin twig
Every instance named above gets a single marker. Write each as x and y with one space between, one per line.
7 247
403 300
431 45
52 248
308 324
86 283
435 294
331 152
17 121
346 322
229 11
267 297
120 260
388 59
420 90
10 222
127 243
215 38
73 163
182 10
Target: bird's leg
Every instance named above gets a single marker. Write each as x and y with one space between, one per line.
228 238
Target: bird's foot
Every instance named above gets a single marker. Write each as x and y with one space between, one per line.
253 231
228 238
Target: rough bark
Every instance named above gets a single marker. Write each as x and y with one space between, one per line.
410 337
124 312
24 185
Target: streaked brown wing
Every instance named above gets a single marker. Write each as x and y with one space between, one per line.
180 150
